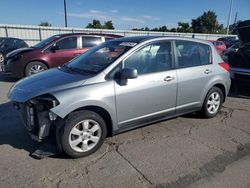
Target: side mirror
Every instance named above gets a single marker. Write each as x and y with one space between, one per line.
54 48
128 73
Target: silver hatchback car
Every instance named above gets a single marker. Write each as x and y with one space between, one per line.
120 85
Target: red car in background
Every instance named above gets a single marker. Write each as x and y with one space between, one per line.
51 52
220 46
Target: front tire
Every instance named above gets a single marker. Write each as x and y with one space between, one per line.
2 57
212 103
35 67
83 133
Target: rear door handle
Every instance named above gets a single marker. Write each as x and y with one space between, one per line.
207 71
169 78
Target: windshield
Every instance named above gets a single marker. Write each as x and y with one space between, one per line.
98 58
43 43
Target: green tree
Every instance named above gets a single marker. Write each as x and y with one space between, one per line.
206 23
108 25
155 29
159 29
184 27
221 29
96 24
163 29
47 24
173 30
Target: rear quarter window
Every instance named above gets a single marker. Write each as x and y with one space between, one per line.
88 42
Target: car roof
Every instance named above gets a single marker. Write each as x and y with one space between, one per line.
90 34
140 39
135 39
10 38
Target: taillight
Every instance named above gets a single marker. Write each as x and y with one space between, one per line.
225 66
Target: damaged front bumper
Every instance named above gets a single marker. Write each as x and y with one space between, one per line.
37 117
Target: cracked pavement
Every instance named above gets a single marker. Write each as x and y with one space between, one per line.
182 152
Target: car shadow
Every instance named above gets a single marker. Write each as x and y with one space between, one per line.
12 132
242 92
5 78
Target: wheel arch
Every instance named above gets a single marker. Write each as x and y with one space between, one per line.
222 88
103 113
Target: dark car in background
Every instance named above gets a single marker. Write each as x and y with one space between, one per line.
51 52
229 41
9 44
239 60
232 49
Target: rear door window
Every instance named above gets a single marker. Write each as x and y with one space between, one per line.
88 42
191 54
67 43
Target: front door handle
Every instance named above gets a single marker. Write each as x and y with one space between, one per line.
169 78
207 71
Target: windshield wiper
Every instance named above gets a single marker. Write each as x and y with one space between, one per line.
76 70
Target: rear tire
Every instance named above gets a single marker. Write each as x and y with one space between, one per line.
35 67
84 133
212 103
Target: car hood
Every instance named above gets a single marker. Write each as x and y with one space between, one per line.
19 51
46 82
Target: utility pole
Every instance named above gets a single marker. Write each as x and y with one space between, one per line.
229 16
65 14
235 18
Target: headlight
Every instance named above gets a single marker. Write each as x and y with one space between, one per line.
17 56
14 56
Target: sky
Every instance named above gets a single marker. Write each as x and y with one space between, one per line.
125 14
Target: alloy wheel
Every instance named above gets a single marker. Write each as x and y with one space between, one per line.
213 103
85 135
1 58
35 69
